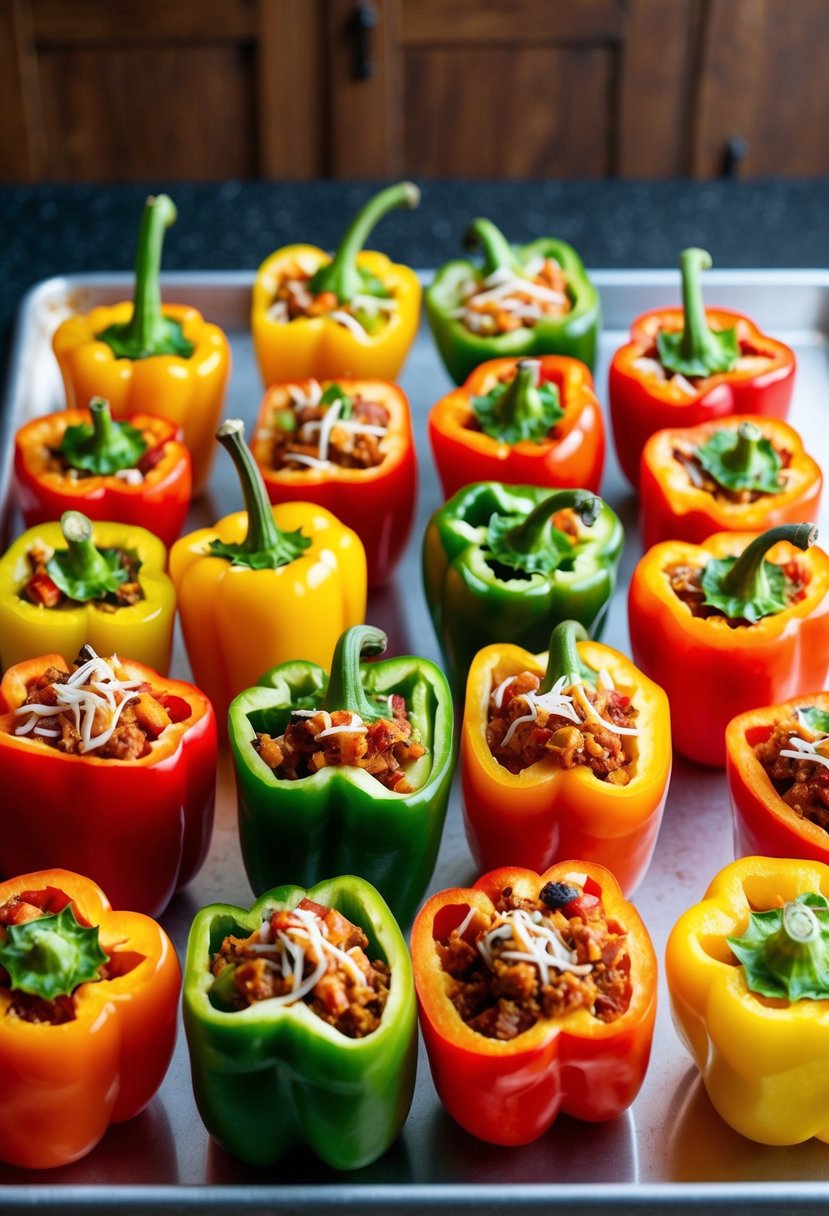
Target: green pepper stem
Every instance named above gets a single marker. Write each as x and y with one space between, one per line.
146 330
696 336
497 251
341 275
84 562
743 456
345 685
520 401
263 533
797 949
563 658
532 533
747 579
104 439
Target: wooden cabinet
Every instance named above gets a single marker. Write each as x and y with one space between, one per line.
211 89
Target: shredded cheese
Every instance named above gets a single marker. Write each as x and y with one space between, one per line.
805 749
350 323
293 946
354 726
93 689
591 713
533 941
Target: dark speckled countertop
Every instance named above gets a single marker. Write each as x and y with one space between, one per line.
51 230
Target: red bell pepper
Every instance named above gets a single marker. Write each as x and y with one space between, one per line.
139 827
509 1092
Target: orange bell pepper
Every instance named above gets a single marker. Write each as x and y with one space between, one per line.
545 812
717 666
365 309
65 1082
681 501
148 359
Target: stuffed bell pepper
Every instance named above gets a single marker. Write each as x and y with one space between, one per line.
346 445
355 314
111 769
522 300
748 976
149 358
740 474
264 586
301 1023
504 564
62 585
348 773
684 366
537 995
521 421
738 622
135 472
564 754
88 1008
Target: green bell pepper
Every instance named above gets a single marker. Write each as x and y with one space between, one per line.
496 569
575 333
341 819
273 1076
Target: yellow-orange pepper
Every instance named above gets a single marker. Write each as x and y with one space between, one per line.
318 345
148 359
264 586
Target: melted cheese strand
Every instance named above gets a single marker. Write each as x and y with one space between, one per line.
539 944
93 687
804 749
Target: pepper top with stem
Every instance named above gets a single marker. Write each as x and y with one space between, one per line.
785 951
748 576
534 545
521 409
105 446
345 686
341 275
563 658
497 251
82 571
744 459
52 955
149 332
697 350
265 546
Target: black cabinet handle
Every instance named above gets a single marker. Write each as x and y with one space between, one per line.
734 153
365 19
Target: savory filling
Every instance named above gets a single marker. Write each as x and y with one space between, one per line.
686 584
320 428
751 361
311 954
701 479
572 724
536 958
97 707
40 588
504 301
315 739
365 314
796 760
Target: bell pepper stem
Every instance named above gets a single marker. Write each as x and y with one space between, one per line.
263 533
742 457
798 945
696 336
532 533
563 657
520 401
747 578
146 329
345 685
341 275
497 251
83 560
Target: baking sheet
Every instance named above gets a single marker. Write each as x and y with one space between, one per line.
671 1149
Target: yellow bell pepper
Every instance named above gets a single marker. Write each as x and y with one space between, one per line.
82 588
147 359
750 997
264 586
379 299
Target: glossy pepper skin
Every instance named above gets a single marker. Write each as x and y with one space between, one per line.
377 503
159 502
511 1092
763 1063
763 823
673 508
63 1085
711 671
575 334
572 455
642 401
473 605
547 813
268 1079
144 629
323 348
342 819
141 828
152 378
241 611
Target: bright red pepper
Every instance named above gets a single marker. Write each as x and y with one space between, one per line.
510 1092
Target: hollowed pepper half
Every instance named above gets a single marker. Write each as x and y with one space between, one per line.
340 818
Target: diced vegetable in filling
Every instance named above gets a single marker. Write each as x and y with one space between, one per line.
316 739
40 588
364 314
686 584
505 301
796 759
311 954
536 959
321 428
572 723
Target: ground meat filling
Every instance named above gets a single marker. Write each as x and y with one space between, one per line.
700 479
686 584
802 782
40 589
536 958
505 301
317 739
308 432
312 954
293 299
524 727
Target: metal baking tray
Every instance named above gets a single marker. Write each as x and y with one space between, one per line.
671 1150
